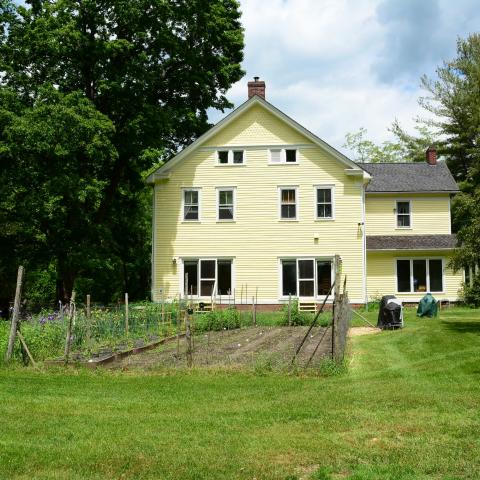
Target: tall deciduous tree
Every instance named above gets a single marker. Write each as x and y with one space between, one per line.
146 71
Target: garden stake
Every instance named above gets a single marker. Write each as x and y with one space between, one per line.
16 313
69 327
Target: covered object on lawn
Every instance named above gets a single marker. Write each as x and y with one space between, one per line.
390 314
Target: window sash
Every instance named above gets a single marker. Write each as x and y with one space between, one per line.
226 204
283 155
210 273
404 213
421 273
288 203
191 204
324 202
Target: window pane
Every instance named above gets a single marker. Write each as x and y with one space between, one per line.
324 211
288 196
324 277
207 269
289 211
275 156
291 156
306 288
419 276
191 269
225 213
238 156
324 195
403 275
191 212
225 197
222 157
191 197
403 220
289 278
224 277
403 207
436 275
206 288
305 269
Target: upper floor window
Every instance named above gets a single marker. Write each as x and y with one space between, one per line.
226 204
324 203
283 155
230 157
404 214
288 203
191 204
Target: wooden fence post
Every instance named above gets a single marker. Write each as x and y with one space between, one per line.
289 309
188 333
16 314
126 314
69 327
254 312
336 304
88 316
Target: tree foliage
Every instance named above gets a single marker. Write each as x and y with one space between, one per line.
92 94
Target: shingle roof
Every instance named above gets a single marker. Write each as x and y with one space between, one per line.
411 242
409 177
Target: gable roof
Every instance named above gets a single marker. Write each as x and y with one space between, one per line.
409 177
352 168
411 242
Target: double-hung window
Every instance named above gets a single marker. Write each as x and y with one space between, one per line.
404 214
288 203
191 204
283 155
324 203
418 275
226 204
207 277
306 277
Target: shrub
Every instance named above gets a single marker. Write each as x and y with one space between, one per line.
226 319
471 293
297 318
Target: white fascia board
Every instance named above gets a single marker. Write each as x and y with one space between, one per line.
352 166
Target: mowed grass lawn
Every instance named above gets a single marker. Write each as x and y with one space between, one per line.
407 408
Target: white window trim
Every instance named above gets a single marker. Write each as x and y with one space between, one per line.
412 292
195 189
404 200
296 258
230 151
283 156
297 203
234 196
315 213
181 280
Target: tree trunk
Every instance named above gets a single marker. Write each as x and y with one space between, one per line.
65 280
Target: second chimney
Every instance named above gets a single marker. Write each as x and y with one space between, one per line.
257 87
431 155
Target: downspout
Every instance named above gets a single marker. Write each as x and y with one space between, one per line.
364 247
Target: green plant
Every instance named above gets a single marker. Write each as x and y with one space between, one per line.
471 293
296 317
329 367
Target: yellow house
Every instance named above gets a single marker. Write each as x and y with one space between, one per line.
259 206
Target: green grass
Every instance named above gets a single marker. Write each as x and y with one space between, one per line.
407 408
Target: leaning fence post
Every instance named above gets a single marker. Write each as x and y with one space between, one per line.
68 339
289 309
126 314
336 298
16 314
254 312
88 314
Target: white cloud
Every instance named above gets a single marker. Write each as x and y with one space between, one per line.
338 65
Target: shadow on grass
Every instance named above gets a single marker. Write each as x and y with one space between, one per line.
462 327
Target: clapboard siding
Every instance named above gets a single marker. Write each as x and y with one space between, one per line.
430 214
382 280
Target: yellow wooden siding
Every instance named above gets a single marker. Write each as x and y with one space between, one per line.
257 126
382 280
430 214
257 239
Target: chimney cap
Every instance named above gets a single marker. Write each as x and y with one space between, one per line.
256 79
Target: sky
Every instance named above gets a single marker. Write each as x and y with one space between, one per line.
338 65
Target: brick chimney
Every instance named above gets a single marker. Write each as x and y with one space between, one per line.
431 155
257 87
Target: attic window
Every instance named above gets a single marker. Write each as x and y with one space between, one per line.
230 157
283 155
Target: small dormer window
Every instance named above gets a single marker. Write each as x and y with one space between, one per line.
283 155
230 157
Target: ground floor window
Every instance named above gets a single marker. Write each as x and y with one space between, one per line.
419 275
207 277
306 277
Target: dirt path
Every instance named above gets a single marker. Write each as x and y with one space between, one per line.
241 347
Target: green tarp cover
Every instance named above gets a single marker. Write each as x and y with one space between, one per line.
427 307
